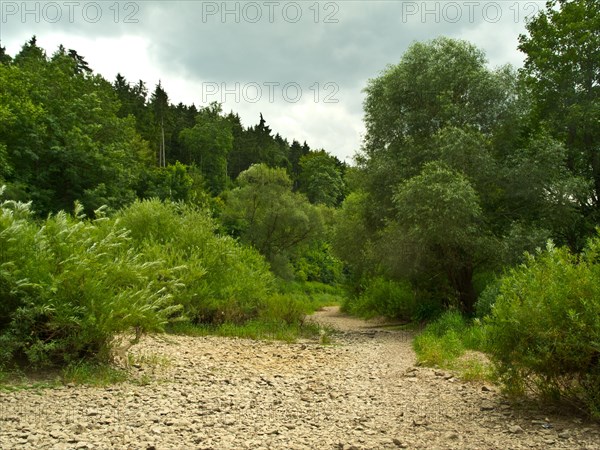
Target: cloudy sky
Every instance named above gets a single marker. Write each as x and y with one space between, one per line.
302 64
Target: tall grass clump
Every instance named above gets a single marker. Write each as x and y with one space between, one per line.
69 286
544 331
444 343
441 341
223 281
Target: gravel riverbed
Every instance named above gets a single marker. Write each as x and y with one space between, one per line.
361 392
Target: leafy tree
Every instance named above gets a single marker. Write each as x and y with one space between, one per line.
133 99
562 71
439 219
351 219
455 178
439 84
208 144
4 57
539 189
176 182
63 139
321 178
264 212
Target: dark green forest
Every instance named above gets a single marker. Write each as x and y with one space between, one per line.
473 205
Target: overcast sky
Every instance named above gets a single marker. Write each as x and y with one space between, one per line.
302 64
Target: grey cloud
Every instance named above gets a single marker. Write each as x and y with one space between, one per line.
368 36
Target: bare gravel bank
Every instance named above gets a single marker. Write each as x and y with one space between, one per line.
363 392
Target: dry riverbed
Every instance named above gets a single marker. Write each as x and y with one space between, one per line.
362 392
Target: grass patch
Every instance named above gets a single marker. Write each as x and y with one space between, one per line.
281 317
312 295
255 329
383 297
81 372
151 360
453 343
16 379
474 369
93 374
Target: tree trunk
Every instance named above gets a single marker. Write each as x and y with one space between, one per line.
463 283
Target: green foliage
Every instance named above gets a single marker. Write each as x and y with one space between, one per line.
455 180
429 306
441 340
486 299
63 139
351 220
444 341
437 84
321 178
69 286
281 317
207 145
264 212
383 297
438 351
317 263
544 332
438 220
175 182
430 177
439 207
92 374
253 329
223 281
562 68
311 295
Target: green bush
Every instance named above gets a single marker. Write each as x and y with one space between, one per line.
317 263
428 307
222 281
544 333
69 285
382 297
486 299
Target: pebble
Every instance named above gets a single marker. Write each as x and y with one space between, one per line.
362 392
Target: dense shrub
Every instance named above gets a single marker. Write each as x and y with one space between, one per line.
69 285
486 299
383 297
544 333
317 263
428 306
223 281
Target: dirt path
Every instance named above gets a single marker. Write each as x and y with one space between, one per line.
362 392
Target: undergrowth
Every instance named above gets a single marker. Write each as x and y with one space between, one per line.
454 343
